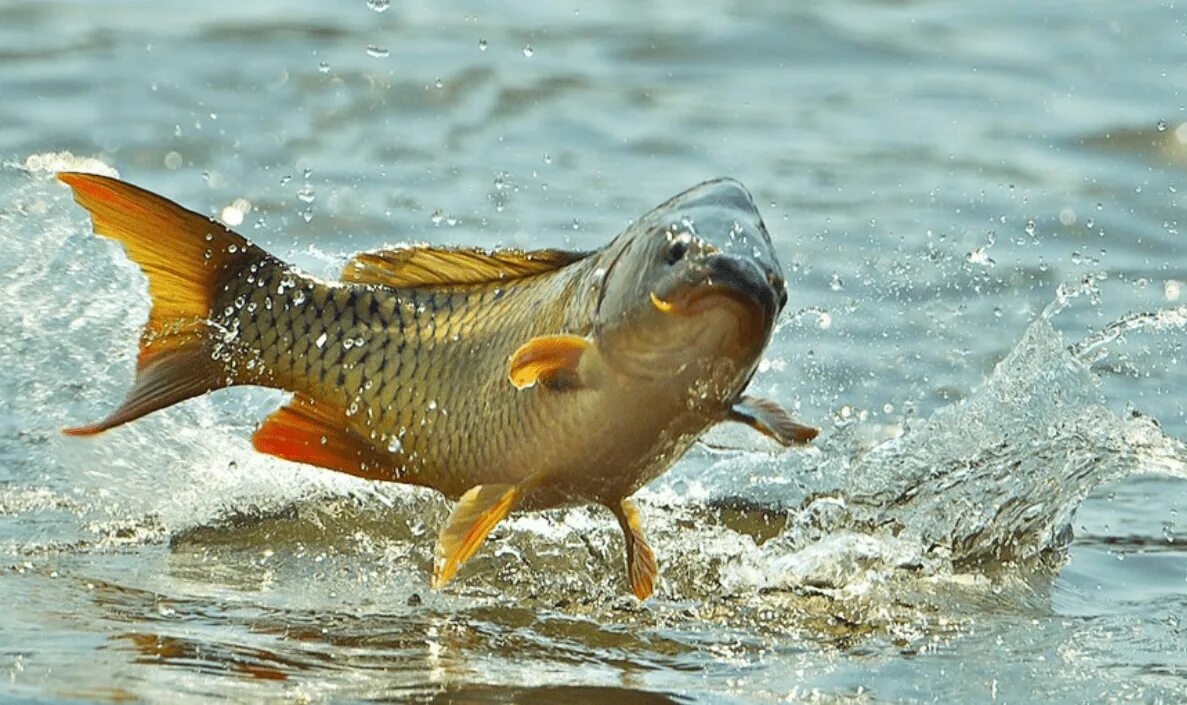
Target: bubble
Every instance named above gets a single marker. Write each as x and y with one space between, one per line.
1067 216
1172 289
172 161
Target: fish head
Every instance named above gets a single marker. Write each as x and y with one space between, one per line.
692 288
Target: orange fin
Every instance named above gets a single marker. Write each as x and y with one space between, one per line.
424 266
319 434
163 380
187 258
767 417
553 360
640 560
476 513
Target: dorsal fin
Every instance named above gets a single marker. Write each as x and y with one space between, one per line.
425 267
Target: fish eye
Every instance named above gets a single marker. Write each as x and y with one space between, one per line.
677 247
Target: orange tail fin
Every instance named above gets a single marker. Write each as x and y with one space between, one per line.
187 258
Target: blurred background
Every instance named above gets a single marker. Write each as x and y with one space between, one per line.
935 176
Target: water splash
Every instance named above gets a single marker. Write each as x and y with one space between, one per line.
982 489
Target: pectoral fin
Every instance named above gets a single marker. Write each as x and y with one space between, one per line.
767 417
640 561
556 361
476 513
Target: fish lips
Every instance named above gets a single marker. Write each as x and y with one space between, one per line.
739 278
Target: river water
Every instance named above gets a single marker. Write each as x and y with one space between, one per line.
979 206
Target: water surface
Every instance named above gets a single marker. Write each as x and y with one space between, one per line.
979 209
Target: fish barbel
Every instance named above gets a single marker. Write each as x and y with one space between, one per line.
506 380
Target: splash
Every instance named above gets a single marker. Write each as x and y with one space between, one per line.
983 488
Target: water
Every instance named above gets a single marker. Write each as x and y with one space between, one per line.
979 207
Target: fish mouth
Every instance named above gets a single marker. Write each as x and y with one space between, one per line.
742 281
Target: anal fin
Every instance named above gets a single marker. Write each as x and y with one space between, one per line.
476 514
768 418
640 560
307 431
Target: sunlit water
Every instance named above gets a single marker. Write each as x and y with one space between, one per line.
978 206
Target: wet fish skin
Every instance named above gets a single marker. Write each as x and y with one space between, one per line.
620 358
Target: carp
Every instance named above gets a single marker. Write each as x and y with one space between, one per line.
507 380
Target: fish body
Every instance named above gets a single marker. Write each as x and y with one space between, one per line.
505 380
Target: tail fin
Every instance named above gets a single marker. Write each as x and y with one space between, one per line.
187 258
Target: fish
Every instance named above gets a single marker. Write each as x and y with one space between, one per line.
506 380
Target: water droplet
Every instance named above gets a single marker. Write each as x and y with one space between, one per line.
306 194
482 45
1030 228
233 213
394 445
321 340
836 283
433 405
379 5
173 160
1161 125
436 217
980 256
438 83
528 51
324 67
377 52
